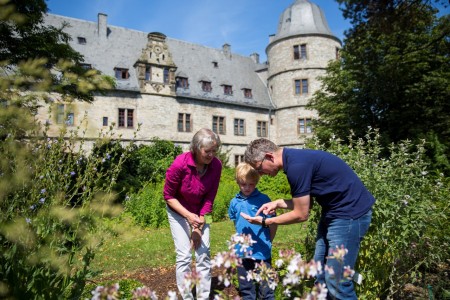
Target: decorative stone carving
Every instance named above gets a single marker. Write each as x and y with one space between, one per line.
155 67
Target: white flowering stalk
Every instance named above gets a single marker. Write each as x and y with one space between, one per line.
144 293
191 279
109 292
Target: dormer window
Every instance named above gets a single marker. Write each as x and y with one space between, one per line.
206 86
227 89
248 93
81 40
182 82
121 73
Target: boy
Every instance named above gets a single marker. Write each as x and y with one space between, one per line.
248 201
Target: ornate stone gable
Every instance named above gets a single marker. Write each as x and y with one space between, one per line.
155 67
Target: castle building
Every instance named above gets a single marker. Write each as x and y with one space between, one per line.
172 88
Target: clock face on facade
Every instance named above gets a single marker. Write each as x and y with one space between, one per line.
157 49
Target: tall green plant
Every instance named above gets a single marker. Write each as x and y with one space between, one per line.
410 223
50 195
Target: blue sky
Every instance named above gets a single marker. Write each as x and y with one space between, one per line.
244 24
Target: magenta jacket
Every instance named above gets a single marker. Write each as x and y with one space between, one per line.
183 183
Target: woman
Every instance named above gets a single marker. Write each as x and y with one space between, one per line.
190 188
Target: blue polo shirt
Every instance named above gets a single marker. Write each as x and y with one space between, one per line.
327 178
262 249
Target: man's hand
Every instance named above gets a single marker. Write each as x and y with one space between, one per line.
196 238
253 220
268 208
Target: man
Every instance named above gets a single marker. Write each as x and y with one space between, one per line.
346 204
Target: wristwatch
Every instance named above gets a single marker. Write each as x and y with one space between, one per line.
264 225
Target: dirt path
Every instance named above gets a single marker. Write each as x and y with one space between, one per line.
162 280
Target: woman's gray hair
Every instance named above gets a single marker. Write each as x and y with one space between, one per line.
257 149
204 137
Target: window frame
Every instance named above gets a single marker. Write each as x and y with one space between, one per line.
184 122
304 125
64 115
227 89
299 86
148 73
300 52
206 86
121 73
219 124
166 75
239 127
247 93
261 128
182 82
125 118
238 158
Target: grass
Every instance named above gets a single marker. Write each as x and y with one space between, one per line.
129 247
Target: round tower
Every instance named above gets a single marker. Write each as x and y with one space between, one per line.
297 54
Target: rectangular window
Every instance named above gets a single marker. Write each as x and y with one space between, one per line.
239 127
182 82
248 93
227 89
126 117
148 73
300 51
60 114
301 86
261 128
218 125
296 52
184 122
304 125
337 53
166 75
303 51
238 159
105 121
64 117
121 73
206 86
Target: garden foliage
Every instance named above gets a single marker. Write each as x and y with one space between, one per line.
51 195
410 226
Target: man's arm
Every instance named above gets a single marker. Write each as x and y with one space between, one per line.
299 213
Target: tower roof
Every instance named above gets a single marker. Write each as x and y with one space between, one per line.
300 18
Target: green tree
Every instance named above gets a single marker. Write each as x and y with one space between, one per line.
24 36
393 75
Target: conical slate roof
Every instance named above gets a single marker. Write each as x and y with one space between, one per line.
300 18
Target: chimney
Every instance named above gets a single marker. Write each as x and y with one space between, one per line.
102 25
226 48
255 57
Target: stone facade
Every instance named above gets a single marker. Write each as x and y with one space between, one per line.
173 88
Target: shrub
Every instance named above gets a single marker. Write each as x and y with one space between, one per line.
148 207
410 224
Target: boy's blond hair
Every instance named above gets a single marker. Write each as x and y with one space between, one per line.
245 172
